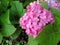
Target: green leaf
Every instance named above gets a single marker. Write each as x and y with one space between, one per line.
16 34
32 41
7 28
45 5
47 36
24 10
18 6
55 12
3 6
10 42
16 11
50 35
1 38
5 18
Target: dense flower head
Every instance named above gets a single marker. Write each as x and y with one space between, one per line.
54 3
35 19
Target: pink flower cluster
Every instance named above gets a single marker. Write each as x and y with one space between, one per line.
54 3
35 19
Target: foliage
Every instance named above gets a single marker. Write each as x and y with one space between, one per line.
12 34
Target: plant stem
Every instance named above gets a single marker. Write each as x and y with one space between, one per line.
38 1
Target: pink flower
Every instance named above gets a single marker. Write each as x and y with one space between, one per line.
54 3
35 19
